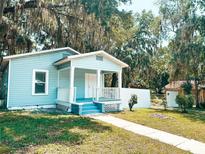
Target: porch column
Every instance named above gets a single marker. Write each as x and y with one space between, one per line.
98 84
72 73
119 81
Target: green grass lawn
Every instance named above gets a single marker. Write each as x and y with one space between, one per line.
191 125
40 132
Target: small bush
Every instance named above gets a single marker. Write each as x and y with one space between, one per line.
185 101
190 100
164 103
133 101
181 101
187 88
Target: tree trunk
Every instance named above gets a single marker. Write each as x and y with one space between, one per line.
1 9
59 32
197 93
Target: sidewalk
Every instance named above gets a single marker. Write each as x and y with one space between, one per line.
183 143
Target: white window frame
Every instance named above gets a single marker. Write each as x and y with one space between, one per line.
33 82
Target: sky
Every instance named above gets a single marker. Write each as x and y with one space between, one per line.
139 5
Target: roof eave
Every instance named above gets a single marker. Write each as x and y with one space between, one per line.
39 52
69 58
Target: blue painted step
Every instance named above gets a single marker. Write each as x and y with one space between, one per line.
90 108
90 111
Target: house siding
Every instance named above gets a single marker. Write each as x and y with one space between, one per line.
91 62
79 81
64 78
21 71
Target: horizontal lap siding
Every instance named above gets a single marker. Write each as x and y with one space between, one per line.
64 78
79 82
91 63
21 79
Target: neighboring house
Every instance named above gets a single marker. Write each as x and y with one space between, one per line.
64 78
174 88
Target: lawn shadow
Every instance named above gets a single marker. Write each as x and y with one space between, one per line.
22 129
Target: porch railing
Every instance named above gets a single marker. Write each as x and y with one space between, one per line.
63 94
109 93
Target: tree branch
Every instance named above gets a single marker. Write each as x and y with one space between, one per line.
33 4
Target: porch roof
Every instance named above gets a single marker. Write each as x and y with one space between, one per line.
101 52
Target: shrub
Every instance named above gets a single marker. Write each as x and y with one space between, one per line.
182 101
133 100
185 101
190 101
164 103
187 88
157 101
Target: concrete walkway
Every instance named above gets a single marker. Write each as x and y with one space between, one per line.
183 143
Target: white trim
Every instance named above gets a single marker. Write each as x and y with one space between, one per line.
120 82
39 52
101 52
32 107
110 102
33 82
72 80
103 80
98 83
58 78
94 69
8 86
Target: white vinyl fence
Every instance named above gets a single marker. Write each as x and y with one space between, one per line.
144 99
171 98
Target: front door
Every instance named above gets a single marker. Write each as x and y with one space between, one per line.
90 85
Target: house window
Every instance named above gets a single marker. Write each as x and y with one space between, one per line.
99 58
40 82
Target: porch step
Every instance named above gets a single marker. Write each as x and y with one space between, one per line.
90 108
86 108
90 111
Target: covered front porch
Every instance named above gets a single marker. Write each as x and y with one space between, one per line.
85 89
85 85
81 82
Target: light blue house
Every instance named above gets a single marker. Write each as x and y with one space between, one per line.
62 78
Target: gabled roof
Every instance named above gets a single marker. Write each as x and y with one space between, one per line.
39 52
176 85
101 52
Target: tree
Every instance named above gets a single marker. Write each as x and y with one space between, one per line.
183 25
187 88
84 25
159 76
138 50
